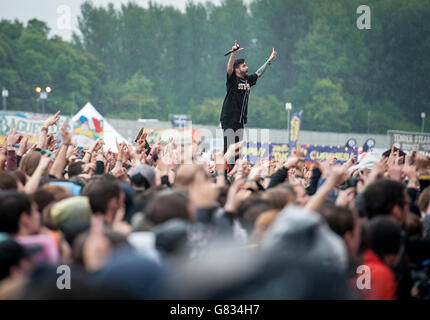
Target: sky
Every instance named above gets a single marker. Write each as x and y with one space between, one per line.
61 15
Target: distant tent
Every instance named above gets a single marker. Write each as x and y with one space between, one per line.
89 125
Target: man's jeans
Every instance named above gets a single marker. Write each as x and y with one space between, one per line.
232 134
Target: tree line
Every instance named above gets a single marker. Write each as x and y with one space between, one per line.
148 62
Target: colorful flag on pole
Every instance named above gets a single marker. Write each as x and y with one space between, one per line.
295 121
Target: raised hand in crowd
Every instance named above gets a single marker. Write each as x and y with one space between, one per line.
52 120
236 194
12 139
23 147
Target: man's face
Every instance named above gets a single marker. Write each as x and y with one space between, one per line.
120 202
301 165
302 197
116 206
353 240
34 220
242 70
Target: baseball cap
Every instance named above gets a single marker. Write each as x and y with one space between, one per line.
73 208
143 175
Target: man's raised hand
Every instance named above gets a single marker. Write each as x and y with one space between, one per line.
52 120
273 55
236 48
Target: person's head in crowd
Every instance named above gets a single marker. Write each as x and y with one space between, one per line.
413 226
387 153
75 169
386 239
20 176
72 229
91 183
278 198
46 197
8 181
289 187
424 201
129 194
189 173
142 177
141 200
171 239
30 162
386 197
58 192
249 210
79 180
106 198
43 198
68 210
14 260
70 188
106 243
302 197
263 223
167 205
346 224
19 215
47 217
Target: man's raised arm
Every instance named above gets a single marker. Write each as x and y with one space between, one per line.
263 68
232 58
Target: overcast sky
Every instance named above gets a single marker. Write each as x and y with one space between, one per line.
53 11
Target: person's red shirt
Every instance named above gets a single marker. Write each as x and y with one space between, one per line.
383 282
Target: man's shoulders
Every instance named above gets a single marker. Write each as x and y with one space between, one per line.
231 76
252 78
231 79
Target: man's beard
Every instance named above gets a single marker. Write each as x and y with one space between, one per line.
243 74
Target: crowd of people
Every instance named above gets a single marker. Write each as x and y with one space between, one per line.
156 221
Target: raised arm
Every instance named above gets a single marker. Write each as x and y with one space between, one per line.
42 140
60 161
336 177
33 182
263 68
232 58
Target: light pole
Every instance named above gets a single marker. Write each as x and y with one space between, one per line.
5 94
368 121
43 95
288 107
423 117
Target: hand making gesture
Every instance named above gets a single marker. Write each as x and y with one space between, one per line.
273 55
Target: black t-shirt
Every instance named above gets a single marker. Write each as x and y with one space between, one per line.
235 107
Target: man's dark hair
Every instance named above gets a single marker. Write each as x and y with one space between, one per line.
249 210
7 181
381 196
11 254
168 204
42 198
100 193
75 169
20 176
386 236
340 219
238 62
140 181
12 205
